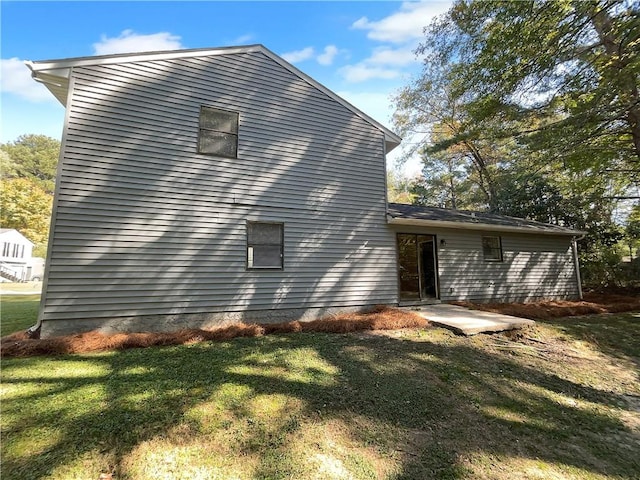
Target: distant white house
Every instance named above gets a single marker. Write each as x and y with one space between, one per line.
16 261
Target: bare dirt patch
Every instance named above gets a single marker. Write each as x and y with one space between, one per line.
593 303
381 318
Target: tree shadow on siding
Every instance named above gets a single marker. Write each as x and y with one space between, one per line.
427 406
154 228
541 275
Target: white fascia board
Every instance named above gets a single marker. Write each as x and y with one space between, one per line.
56 81
62 68
137 57
487 227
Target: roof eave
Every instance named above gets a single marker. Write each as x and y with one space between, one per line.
488 227
56 81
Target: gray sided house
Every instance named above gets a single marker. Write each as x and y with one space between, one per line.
198 187
457 255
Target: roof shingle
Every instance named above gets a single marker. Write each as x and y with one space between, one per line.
444 217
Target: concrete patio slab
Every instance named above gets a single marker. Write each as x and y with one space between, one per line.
469 322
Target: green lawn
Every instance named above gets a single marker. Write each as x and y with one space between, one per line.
560 401
18 312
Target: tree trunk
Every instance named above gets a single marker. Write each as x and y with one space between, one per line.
627 81
486 180
452 186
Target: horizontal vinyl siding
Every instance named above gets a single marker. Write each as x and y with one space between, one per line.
533 266
147 226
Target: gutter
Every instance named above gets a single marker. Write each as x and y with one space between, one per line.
479 226
576 262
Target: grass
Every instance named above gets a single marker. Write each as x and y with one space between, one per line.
561 400
18 312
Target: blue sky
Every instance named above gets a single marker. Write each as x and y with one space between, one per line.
360 50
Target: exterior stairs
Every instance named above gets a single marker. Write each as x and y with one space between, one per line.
8 273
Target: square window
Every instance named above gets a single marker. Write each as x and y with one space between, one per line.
265 245
218 132
492 249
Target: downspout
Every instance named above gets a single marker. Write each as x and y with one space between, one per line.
576 262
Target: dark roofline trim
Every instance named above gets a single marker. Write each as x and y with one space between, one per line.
487 227
405 214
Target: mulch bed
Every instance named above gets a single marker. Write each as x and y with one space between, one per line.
593 303
381 318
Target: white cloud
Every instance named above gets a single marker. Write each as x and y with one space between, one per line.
404 25
16 79
298 55
129 42
385 63
403 28
326 58
242 39
392 56
361 72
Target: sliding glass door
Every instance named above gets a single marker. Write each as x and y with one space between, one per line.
417 267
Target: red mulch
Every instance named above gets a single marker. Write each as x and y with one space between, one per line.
381 318
593 303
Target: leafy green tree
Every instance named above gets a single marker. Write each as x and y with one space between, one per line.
529 89
7 165
27 208
398 188
453 148
632 231
34 157
528 194
448 181
633 222
534 106
572 67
